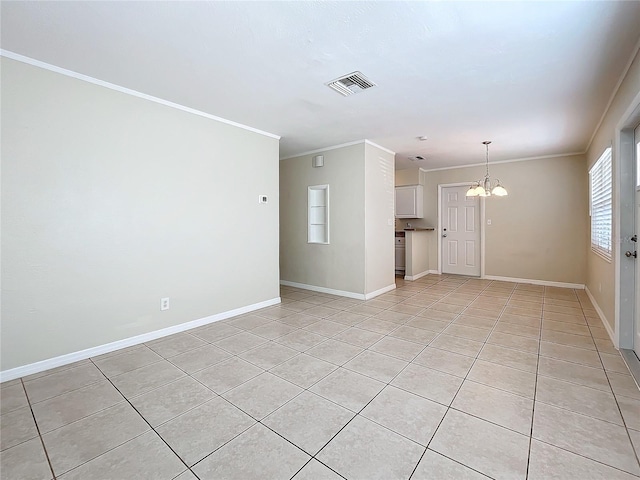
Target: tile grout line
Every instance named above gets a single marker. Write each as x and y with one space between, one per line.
44 447
137 436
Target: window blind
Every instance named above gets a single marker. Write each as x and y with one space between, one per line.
601 192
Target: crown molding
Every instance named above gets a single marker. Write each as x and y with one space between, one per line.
128 91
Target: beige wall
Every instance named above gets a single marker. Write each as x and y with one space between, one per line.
110 202
379 218
601 279
538 231
341 264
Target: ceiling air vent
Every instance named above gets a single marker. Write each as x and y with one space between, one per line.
417 158
349 84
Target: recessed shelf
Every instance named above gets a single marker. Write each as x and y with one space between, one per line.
318 214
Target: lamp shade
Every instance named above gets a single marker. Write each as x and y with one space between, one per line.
499 191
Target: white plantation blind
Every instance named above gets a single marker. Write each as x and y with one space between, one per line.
600 178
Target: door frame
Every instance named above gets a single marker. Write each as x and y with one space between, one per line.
439 229
623 222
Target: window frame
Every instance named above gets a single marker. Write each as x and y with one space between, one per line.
601 205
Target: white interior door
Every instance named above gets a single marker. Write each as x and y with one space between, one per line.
636 336
460 220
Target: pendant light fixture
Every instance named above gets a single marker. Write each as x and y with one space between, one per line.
482 188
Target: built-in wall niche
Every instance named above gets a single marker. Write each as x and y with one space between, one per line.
318 216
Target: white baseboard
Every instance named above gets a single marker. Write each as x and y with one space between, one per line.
603 317
546 283
388 288
315 288
434 272
417 275
68 358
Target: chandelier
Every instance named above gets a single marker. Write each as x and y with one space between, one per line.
482 188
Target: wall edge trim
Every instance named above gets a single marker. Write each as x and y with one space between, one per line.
417 275
380 291
68 358
316 288
603 317
128 91
546 283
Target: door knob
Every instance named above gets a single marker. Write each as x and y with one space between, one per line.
444 234
629 254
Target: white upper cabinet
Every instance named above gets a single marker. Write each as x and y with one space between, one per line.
409 201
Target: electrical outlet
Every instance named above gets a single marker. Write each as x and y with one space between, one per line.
489 222
262 199
164 303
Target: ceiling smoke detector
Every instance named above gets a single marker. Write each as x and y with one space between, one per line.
417 158
349 84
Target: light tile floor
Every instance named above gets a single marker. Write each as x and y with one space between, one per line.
443 378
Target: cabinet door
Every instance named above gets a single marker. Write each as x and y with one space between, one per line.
406 202
400 257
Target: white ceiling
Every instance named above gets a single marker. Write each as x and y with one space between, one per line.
533 77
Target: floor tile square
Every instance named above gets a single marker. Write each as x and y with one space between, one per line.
630 408
570 354
248 322
376 365
299 320
398 348
309 421
327 328
359 337
516 342
447 362
490 449
623 385
147 378
459 345
432 384
300 340
303 370
509 358
348 318
81 441
334 351
549 462
405 413
413 334
171 400
268 355
199 358
262 395
118 364
349 389
503 378
16 427
273 330
26 461
365 450
198 432
257 454
497 406
240 343
146 456
52 385
466 331
175 344
69 407
579 399
227 374
592 438
215 332
378 326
